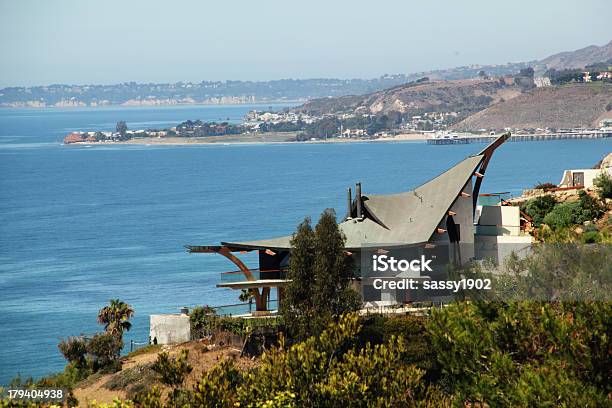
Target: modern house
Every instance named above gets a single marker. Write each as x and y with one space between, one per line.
435 219
582 178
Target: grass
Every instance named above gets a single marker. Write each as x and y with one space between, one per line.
144 350
130 377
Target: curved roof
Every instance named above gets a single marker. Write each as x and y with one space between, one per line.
395 219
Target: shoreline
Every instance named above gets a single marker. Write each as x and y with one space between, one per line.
258 139
153 105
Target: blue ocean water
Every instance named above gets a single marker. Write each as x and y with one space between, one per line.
81 225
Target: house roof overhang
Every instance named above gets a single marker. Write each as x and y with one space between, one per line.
396 219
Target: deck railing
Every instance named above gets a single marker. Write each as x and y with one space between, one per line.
238 276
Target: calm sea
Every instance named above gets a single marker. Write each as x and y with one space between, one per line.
81 225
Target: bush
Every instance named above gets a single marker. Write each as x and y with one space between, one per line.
74 350
325 370
591 237
538 207
563 215
603 182
589 209
571 213
172 371
201 320
545 186
104 349
524 353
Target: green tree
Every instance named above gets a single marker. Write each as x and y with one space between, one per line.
297 303
121 128
99 136
603 182
538 207
320 271
115 317
333 270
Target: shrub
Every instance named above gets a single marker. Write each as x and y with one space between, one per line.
201 320
172 371
589 209
591 237
104 349
603 182
563 215
524 353
545 186
74 350
571 213
538 207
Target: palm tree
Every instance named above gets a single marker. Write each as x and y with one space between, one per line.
115 317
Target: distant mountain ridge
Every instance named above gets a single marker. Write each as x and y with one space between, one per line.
294 90
576 59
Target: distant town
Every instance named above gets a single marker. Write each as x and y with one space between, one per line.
437 109
224 92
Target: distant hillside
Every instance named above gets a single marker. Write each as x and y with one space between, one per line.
576 59
465 96
572 105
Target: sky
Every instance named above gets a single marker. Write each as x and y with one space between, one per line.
110 41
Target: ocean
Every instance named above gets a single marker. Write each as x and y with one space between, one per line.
81 225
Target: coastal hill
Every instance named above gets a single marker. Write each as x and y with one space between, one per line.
283 90
566 106
417 97
575 59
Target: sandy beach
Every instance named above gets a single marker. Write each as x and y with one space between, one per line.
259 138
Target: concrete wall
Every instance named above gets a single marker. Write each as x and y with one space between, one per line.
589 176
499 220
170 328
498 248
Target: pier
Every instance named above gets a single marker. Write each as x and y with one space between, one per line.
466 139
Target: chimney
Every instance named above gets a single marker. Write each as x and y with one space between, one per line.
349 202
358 198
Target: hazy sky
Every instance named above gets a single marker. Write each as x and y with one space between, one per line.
109 41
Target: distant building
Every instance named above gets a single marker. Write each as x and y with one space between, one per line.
169 328
604 75
582 177
541 82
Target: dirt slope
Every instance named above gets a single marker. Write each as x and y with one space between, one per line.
136 373
574 105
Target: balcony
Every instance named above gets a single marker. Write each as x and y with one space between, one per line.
238 276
